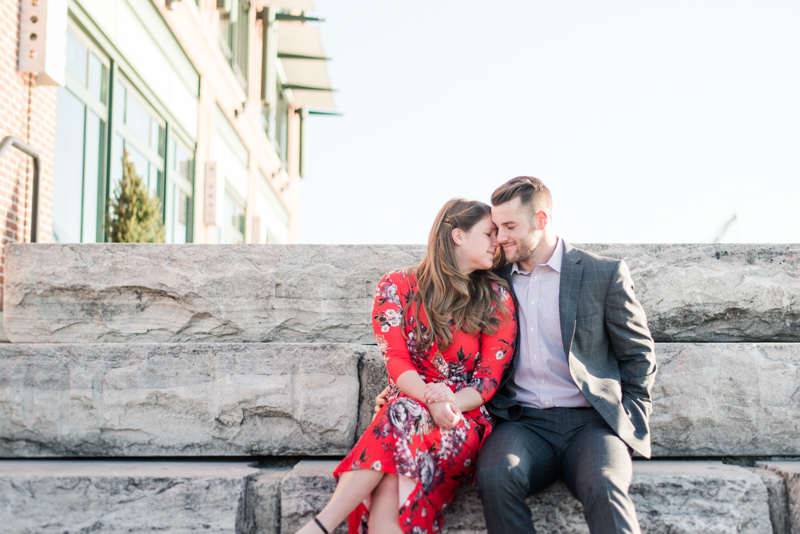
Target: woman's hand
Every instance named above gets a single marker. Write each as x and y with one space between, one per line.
380 400
444 414
438 392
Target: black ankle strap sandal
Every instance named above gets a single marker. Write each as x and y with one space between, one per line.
321 526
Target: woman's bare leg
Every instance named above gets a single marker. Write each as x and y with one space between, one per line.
383 517
353 487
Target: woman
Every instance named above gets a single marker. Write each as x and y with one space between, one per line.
446 330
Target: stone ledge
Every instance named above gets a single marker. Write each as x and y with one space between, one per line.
685 497
98 400
91 496
790 471
315 293
113 496
710 399
314 399
726 399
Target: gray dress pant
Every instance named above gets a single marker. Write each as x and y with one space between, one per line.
525 456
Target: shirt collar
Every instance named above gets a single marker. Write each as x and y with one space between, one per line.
554 262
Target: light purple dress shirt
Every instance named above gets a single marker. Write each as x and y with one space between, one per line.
541 377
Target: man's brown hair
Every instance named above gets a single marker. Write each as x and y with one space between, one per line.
532 193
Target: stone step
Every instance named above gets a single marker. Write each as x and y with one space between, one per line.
99 496
137 496
790 473
314 293
709 399
237 399
218 399
670 497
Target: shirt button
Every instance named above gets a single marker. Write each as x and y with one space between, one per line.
542 380
535 277
534 356
533 303
533 329
547 403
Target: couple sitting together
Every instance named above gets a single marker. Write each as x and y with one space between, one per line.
513 357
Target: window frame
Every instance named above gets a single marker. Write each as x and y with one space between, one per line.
118 68
230 234
80 90
234 41
184 183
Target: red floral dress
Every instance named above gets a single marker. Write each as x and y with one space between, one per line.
403 439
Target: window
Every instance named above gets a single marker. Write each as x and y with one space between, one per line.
271 214
232 179
88 153
281 125
139 130
233 39
81 111
178 196
233 229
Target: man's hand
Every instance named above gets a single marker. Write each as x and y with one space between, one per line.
444 415
380 400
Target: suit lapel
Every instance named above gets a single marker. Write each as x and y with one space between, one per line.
571 274
505 274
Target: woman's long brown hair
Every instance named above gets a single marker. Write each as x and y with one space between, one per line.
447 295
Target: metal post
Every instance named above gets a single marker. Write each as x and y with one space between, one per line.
8 141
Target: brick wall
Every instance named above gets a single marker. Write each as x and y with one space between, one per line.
28 112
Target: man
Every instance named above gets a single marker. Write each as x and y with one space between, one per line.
575 401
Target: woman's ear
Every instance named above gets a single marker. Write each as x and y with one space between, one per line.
458 236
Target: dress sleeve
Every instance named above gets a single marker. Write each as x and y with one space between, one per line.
497 350
387 323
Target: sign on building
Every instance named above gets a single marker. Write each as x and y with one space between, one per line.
43 40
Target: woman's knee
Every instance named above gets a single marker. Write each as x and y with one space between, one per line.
383 515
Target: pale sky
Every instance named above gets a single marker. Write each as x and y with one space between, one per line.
650 122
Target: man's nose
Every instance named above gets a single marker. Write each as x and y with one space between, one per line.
502 236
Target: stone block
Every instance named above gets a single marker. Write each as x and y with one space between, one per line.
790 471
670 497
263 502
313 293
701 497
554 510
727 399
713 293
710 399
778 499
374 378
305 492
218 399
99 496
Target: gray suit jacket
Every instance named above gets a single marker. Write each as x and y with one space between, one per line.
609 346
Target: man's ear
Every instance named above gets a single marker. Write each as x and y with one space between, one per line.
458 236
541 219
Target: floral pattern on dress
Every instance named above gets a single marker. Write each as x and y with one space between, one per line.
403 439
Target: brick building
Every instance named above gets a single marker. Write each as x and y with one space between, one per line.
209 97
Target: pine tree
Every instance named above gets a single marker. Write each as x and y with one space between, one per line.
136 216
